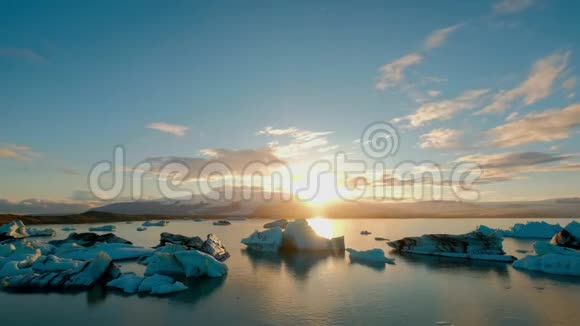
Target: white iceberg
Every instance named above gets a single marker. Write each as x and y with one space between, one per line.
104 228
301 237
196 263
373 256
117 251
269 240
127 282
152 223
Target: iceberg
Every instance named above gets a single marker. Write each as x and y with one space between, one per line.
13 230
178 239
85 275
127 282
568 237
159 223
269 240
12 268
381 239
161 284
365 232
222 222
277 223
104 228
541 230
40 232
163 263
214 247
89 239
141 229
474 245
53 263
551 263
487 230
373 256
299 236
116 251
196 263
68 228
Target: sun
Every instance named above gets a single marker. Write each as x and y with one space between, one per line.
322 226
326 191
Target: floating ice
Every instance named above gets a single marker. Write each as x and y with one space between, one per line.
161 284
197 263
141 229
269 240
40 232
104 228
373 256
117 251
127 282
532 230
300 236
474 245
159 223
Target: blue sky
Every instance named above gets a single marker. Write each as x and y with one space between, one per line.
78 78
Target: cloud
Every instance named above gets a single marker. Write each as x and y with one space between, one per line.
17 152
36 206
537 86
438 37
505 7
513 116
513 159
441 139
514 165
236 160
22 53
536 127
393 73
445 109
569 83
433 93
173 129
301 141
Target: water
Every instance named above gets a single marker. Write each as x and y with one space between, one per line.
308 289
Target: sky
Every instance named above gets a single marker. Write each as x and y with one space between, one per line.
494 83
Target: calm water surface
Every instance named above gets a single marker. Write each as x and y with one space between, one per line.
308 289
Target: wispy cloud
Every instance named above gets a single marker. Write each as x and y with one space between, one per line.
17 152
438 37
536 127
21 53
393 73
444 109
505 7
569 83
537 86
173 129
442 138
301 141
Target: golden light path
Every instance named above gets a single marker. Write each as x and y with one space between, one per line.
322 226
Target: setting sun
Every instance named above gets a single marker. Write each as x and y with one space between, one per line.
322 226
